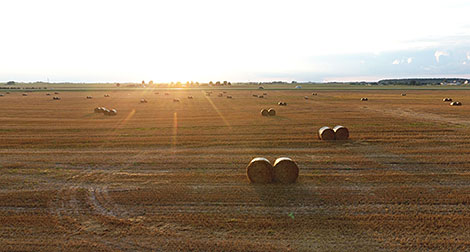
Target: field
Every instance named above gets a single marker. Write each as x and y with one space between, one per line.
170 176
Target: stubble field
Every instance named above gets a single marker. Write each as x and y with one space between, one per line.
170 176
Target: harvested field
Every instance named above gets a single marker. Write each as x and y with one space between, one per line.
171 176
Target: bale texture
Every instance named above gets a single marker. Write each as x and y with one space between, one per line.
285 170
456 103
264 112
271 112
341 133
259 170
326 133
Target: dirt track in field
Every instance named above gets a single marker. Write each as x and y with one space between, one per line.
170 176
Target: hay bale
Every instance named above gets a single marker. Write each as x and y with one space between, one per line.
403 94
364 99
255 95
143 101
341 133
306 97
229 97
176 100
314 93
456 103
190 97
112 112
89 97
47 94
264 112
25 94
106 95
220 95
260 96
285 170
326 133
259 170
56 92
98 110
265 93
271 112
55 98
1 95
281 103
167 94
447 99
106 111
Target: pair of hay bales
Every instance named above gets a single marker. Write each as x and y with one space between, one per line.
176 100
143 101
106 95
337 133
89 97
261 171
190 97
105 111
268 112
281 103
364 99
220 95
314 94
229 97
447 99
56 98
456 103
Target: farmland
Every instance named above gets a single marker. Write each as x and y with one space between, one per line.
170 176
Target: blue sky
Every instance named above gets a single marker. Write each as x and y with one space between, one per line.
258 40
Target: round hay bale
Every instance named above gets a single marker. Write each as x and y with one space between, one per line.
220 95
176 100
456 103
190 97
255 95
97 110
106 111
403 94
260 96
89 97
1 95
314 93
326 133
56 92
229 97
106 95
271 112
285 170
306 97
47 94
102 109
364 99
265 93
143 101
112 112
341 133
25 94
282 103
447 99
259 170
264 112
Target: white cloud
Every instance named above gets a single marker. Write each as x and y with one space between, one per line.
409 60
468 55
396 62
464 63
438 54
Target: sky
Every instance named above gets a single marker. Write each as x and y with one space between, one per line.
256 40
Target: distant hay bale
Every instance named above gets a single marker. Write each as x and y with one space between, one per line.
143 101
271 112
326 133
281 103
98 110
176 100
47 94
364 99
25 94
314 93
456 103
341 133
106 111
56 92
260 96
265 93
306 97
259 170
190 97
447 99
403 94
89 97
102 109
1 95
112 112
285 170
261 88
229 97
55 98
264 112
255 95
106 95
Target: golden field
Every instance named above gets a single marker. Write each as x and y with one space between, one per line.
170 176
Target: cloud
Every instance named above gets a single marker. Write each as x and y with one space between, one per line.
409 60
396 62
468 55
464 63
438 54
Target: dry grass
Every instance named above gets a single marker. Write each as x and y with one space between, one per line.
171 176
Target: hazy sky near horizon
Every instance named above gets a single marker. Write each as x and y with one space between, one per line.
95 41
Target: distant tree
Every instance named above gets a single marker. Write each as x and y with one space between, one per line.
11 83
151 82
225 83
143 82
217 83
413 82
118 85
211 83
